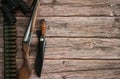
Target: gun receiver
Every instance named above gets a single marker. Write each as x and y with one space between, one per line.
26 70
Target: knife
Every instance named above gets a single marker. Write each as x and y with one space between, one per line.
40 48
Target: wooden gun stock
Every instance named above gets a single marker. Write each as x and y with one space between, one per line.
26 70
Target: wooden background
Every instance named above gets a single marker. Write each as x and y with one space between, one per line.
83 39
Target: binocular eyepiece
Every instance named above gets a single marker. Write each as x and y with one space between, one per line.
9 6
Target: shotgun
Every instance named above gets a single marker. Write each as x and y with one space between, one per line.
25 71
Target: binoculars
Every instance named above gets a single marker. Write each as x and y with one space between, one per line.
9 6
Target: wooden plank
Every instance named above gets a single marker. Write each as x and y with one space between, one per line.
105 74
78 10
74 10
82 8
82 2
83 26
56 65
75 48
81 48
74 26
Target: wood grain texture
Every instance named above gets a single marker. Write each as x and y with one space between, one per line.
77 8
74 10
75 48
102 74
81 2
74 26
83 39
106 74
59 66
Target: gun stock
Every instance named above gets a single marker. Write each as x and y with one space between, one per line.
25 71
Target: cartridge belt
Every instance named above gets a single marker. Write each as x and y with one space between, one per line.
9 50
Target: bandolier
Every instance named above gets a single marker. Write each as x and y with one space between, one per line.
9 50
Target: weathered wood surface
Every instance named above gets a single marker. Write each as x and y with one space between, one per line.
75 66
75 48
106 74
101 74
83 39
75 26
79 8
81 2
74 10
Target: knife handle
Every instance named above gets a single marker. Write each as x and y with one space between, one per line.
43 27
